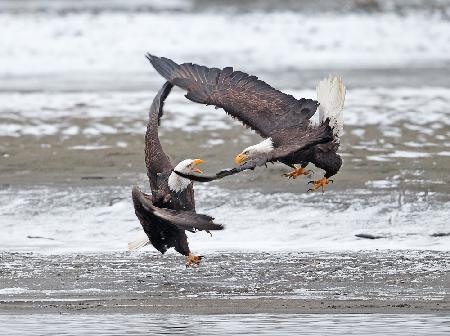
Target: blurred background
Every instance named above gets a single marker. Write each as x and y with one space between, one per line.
75 90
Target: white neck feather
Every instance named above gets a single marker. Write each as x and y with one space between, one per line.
177 183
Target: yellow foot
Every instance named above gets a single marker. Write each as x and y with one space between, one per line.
192 260
297 172
322 183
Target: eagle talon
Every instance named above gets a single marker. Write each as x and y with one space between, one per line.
192 260
297 172
322 183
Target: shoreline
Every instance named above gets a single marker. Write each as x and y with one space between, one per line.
208 306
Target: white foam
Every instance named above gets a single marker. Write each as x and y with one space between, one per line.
382 184
407 154
86 220
126 112
13 290
89 147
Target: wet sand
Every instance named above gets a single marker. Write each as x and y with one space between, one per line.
225 306
55 160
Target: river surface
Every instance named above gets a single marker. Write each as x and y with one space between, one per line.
252 324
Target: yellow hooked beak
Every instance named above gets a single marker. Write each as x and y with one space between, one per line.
240 158
197 162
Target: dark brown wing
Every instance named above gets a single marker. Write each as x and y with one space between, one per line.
252 164
188 220
155 159
245 97
185 220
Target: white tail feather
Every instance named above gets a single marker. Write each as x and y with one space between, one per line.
331 96
139 242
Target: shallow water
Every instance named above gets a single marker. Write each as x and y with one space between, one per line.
251 324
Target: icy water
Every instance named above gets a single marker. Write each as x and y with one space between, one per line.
252 324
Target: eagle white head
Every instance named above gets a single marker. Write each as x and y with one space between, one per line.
263 147
176 182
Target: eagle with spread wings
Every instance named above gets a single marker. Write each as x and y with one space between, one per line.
281 119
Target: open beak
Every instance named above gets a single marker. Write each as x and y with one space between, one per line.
240 158
197 162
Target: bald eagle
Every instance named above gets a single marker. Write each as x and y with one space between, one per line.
281 119
169 211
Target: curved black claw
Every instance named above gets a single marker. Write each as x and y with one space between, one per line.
310 182
332 181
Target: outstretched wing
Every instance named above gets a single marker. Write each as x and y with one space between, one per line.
251 164
245 97
155 159
185 220
311 137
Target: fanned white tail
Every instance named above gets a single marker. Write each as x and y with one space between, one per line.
331 96
140 241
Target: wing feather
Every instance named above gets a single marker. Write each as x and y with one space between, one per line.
252 164
245 97
186 220
155 158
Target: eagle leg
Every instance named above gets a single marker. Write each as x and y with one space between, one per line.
322 183
297 172
192 260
